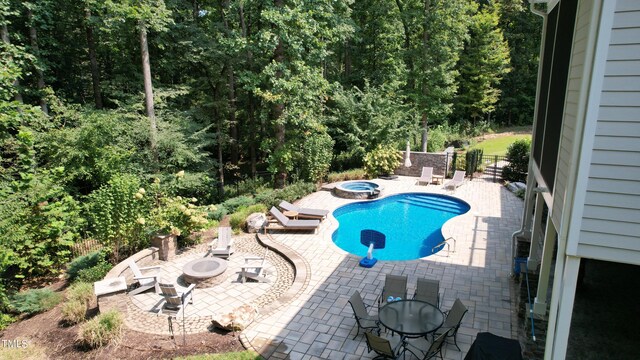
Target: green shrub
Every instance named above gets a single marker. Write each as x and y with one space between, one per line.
114 210
80 291
103 329
354 174
436 139
473 160
316 156
244 187
271 197
518 157
237 202
35 301
217 212
74 311
94 273
296 191
382 161
6 320
83 262
239 218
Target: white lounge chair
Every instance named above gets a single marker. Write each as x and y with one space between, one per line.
224 246
282 222
147 281
458 179
304 212
426 176
254 268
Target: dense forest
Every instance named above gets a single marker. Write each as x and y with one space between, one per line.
213 91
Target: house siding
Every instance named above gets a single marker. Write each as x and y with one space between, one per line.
571 110
610 228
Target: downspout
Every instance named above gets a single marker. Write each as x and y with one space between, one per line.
525 228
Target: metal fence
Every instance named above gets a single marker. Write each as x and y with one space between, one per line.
493 165
488 164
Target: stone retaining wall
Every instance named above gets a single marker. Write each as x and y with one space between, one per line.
438 161
143 258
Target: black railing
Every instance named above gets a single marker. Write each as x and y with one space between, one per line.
489 164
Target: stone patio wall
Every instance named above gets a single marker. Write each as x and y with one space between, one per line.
143 258
438 161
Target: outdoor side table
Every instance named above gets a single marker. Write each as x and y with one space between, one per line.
438 179
291 214
411 317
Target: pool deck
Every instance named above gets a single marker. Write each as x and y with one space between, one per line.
319 323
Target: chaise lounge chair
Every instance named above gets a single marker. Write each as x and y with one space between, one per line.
282 222
458 179
308 213
426 176
224 247
147 281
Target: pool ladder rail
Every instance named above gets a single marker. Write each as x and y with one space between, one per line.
443 243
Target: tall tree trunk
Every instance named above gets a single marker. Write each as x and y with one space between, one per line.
33 36
220 160
148 93
196 10
231 94
251 113
407 45
277 110
93 60
347 60
425 90
4 34
425 132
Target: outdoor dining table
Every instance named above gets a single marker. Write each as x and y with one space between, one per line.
411 317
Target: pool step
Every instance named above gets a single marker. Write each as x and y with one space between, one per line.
436 203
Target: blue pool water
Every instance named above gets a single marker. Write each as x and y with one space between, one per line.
359 186
410 221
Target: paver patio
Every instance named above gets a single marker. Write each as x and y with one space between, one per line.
318 323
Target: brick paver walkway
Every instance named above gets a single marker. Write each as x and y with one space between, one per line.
319 323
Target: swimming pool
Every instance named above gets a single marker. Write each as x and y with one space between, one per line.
412 224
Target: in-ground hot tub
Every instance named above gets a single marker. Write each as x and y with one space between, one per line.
357 189
199 270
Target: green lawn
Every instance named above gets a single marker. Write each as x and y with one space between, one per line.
499 145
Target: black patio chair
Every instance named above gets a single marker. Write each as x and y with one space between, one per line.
363 319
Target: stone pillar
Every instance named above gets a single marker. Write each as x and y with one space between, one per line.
166 244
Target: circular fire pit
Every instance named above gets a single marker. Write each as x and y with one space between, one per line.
199 270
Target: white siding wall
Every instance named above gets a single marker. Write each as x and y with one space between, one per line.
574 86
610 227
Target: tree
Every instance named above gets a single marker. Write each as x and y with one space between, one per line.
435 31
294 87
483 64
522 32
148 15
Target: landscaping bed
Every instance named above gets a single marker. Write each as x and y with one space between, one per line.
47 337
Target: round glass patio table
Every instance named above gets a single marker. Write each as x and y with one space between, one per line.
411 317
